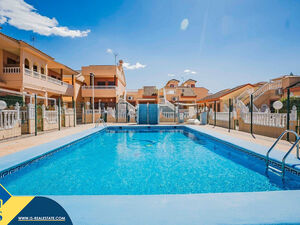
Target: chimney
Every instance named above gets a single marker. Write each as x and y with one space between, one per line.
120 66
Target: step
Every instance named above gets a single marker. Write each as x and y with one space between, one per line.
275 169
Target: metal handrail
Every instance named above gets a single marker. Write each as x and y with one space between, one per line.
286 155
100 120
275 143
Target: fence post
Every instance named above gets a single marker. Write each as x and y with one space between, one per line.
288 114
59 114
127 121
251 114
17 107
74 111
117 113
229 115
35 116
83 113
215 112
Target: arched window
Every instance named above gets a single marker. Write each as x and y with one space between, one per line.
27 65
42 70
35 68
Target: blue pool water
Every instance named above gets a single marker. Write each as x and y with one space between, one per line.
134 162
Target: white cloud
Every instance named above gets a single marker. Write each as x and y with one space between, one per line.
133 67
188 71
19 14
109 51
171 75
184 24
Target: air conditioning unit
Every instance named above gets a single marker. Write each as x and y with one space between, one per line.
279 91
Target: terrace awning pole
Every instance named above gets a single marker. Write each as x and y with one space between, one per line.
229 115
35 115
251 114
288 114
215 119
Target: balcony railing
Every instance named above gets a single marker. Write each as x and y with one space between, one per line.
99 87
37 75
9 70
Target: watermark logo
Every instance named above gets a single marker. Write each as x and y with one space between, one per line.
1 202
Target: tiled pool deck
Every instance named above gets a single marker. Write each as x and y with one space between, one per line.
222 208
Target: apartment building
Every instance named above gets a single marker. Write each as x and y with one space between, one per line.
221 98
186 93
272 91
106 83
26 69
147 94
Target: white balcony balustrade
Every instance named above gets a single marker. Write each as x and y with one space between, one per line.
9 117
168 115
11 70
222 116
269 119
98 87
44 77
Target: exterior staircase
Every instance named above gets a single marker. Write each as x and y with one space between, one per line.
244 98
165 105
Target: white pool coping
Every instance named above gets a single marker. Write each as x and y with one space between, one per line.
20 157
214 208
254 147
272 207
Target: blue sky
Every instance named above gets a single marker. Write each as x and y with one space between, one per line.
226 43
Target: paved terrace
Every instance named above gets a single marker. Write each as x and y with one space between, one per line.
20 143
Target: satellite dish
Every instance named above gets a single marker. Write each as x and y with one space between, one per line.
264 108
3 105
277 105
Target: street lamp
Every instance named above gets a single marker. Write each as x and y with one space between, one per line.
93 96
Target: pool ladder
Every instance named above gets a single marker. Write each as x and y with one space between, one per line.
100 120
296 144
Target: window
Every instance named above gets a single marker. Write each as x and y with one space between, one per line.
26 62
42 70
101 83
170 92
35 68
171 85
111 83
11 61
192 85
130 98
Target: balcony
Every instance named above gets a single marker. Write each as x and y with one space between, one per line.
35 80
99 91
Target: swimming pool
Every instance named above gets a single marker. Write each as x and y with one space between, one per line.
145 161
